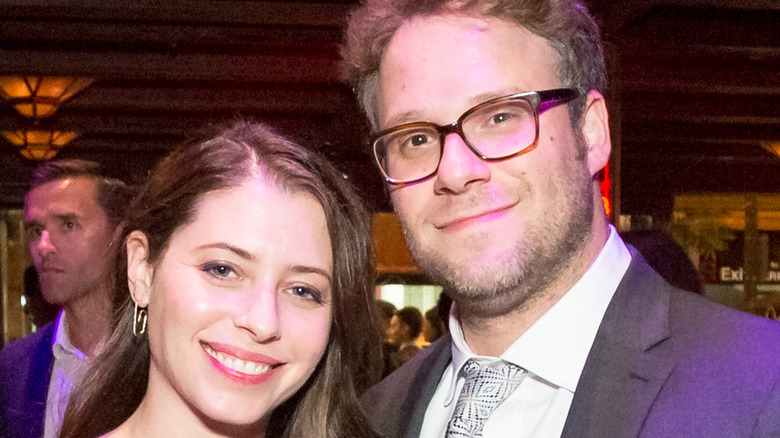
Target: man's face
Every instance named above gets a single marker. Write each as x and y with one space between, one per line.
501 229
70 239
399 332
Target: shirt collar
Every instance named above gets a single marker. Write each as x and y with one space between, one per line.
556 346
61 344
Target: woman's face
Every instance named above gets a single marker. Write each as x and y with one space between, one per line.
239 304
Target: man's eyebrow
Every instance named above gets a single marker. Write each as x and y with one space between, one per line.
414 115
30 224
244 254
483 97
411 116
72 217
62 217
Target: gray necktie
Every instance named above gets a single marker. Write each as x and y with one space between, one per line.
485 388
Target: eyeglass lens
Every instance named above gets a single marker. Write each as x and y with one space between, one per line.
495 130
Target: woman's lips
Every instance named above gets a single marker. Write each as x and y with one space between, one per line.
240 365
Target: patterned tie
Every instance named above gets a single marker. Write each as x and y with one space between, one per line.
484 390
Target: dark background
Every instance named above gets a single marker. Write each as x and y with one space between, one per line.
694 86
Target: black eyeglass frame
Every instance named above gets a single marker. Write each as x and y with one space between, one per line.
534 98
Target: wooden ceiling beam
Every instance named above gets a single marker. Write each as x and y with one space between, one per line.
226 12
165 126
704 25
677 85
675 73
760 5
639 162
168 36
618 21
292 68
694 153
710 147
703 133
698 107
136 99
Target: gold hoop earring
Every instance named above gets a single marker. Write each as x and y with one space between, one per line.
139 320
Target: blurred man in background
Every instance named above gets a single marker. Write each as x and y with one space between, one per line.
405 328
71 216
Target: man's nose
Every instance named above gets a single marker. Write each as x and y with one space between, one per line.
459 167
45 244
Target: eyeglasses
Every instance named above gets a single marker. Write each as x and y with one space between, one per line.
497 129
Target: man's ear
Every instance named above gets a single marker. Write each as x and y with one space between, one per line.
139 270
595 129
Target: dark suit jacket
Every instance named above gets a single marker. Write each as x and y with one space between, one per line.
665 363
25 370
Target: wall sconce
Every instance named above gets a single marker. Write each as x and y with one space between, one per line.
39 144
37 97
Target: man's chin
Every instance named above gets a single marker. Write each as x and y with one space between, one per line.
55 297
475 277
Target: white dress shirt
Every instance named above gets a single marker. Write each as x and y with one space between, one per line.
553 351
70 364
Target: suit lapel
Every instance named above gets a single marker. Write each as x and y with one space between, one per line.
425 382
627 366
396 406
37 385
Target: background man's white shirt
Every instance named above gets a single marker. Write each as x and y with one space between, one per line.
69 367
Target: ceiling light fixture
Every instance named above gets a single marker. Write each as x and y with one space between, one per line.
773 147
38 97
39 144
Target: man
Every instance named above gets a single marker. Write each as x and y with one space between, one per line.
571 328
405 328
71 215
386 310
41 311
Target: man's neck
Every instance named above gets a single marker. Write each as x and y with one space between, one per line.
492 335
88 322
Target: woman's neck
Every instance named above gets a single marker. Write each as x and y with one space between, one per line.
157 417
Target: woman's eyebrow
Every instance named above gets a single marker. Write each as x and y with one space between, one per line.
305 269
244 254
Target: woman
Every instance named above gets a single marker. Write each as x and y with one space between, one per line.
246 281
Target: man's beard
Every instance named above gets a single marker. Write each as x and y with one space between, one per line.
541 257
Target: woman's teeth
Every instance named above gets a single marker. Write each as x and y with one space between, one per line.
242 366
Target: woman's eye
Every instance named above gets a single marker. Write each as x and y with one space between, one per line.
219 270
307 293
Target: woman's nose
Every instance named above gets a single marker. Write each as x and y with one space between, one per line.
258 314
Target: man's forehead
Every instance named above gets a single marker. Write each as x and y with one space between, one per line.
501 58
68 194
